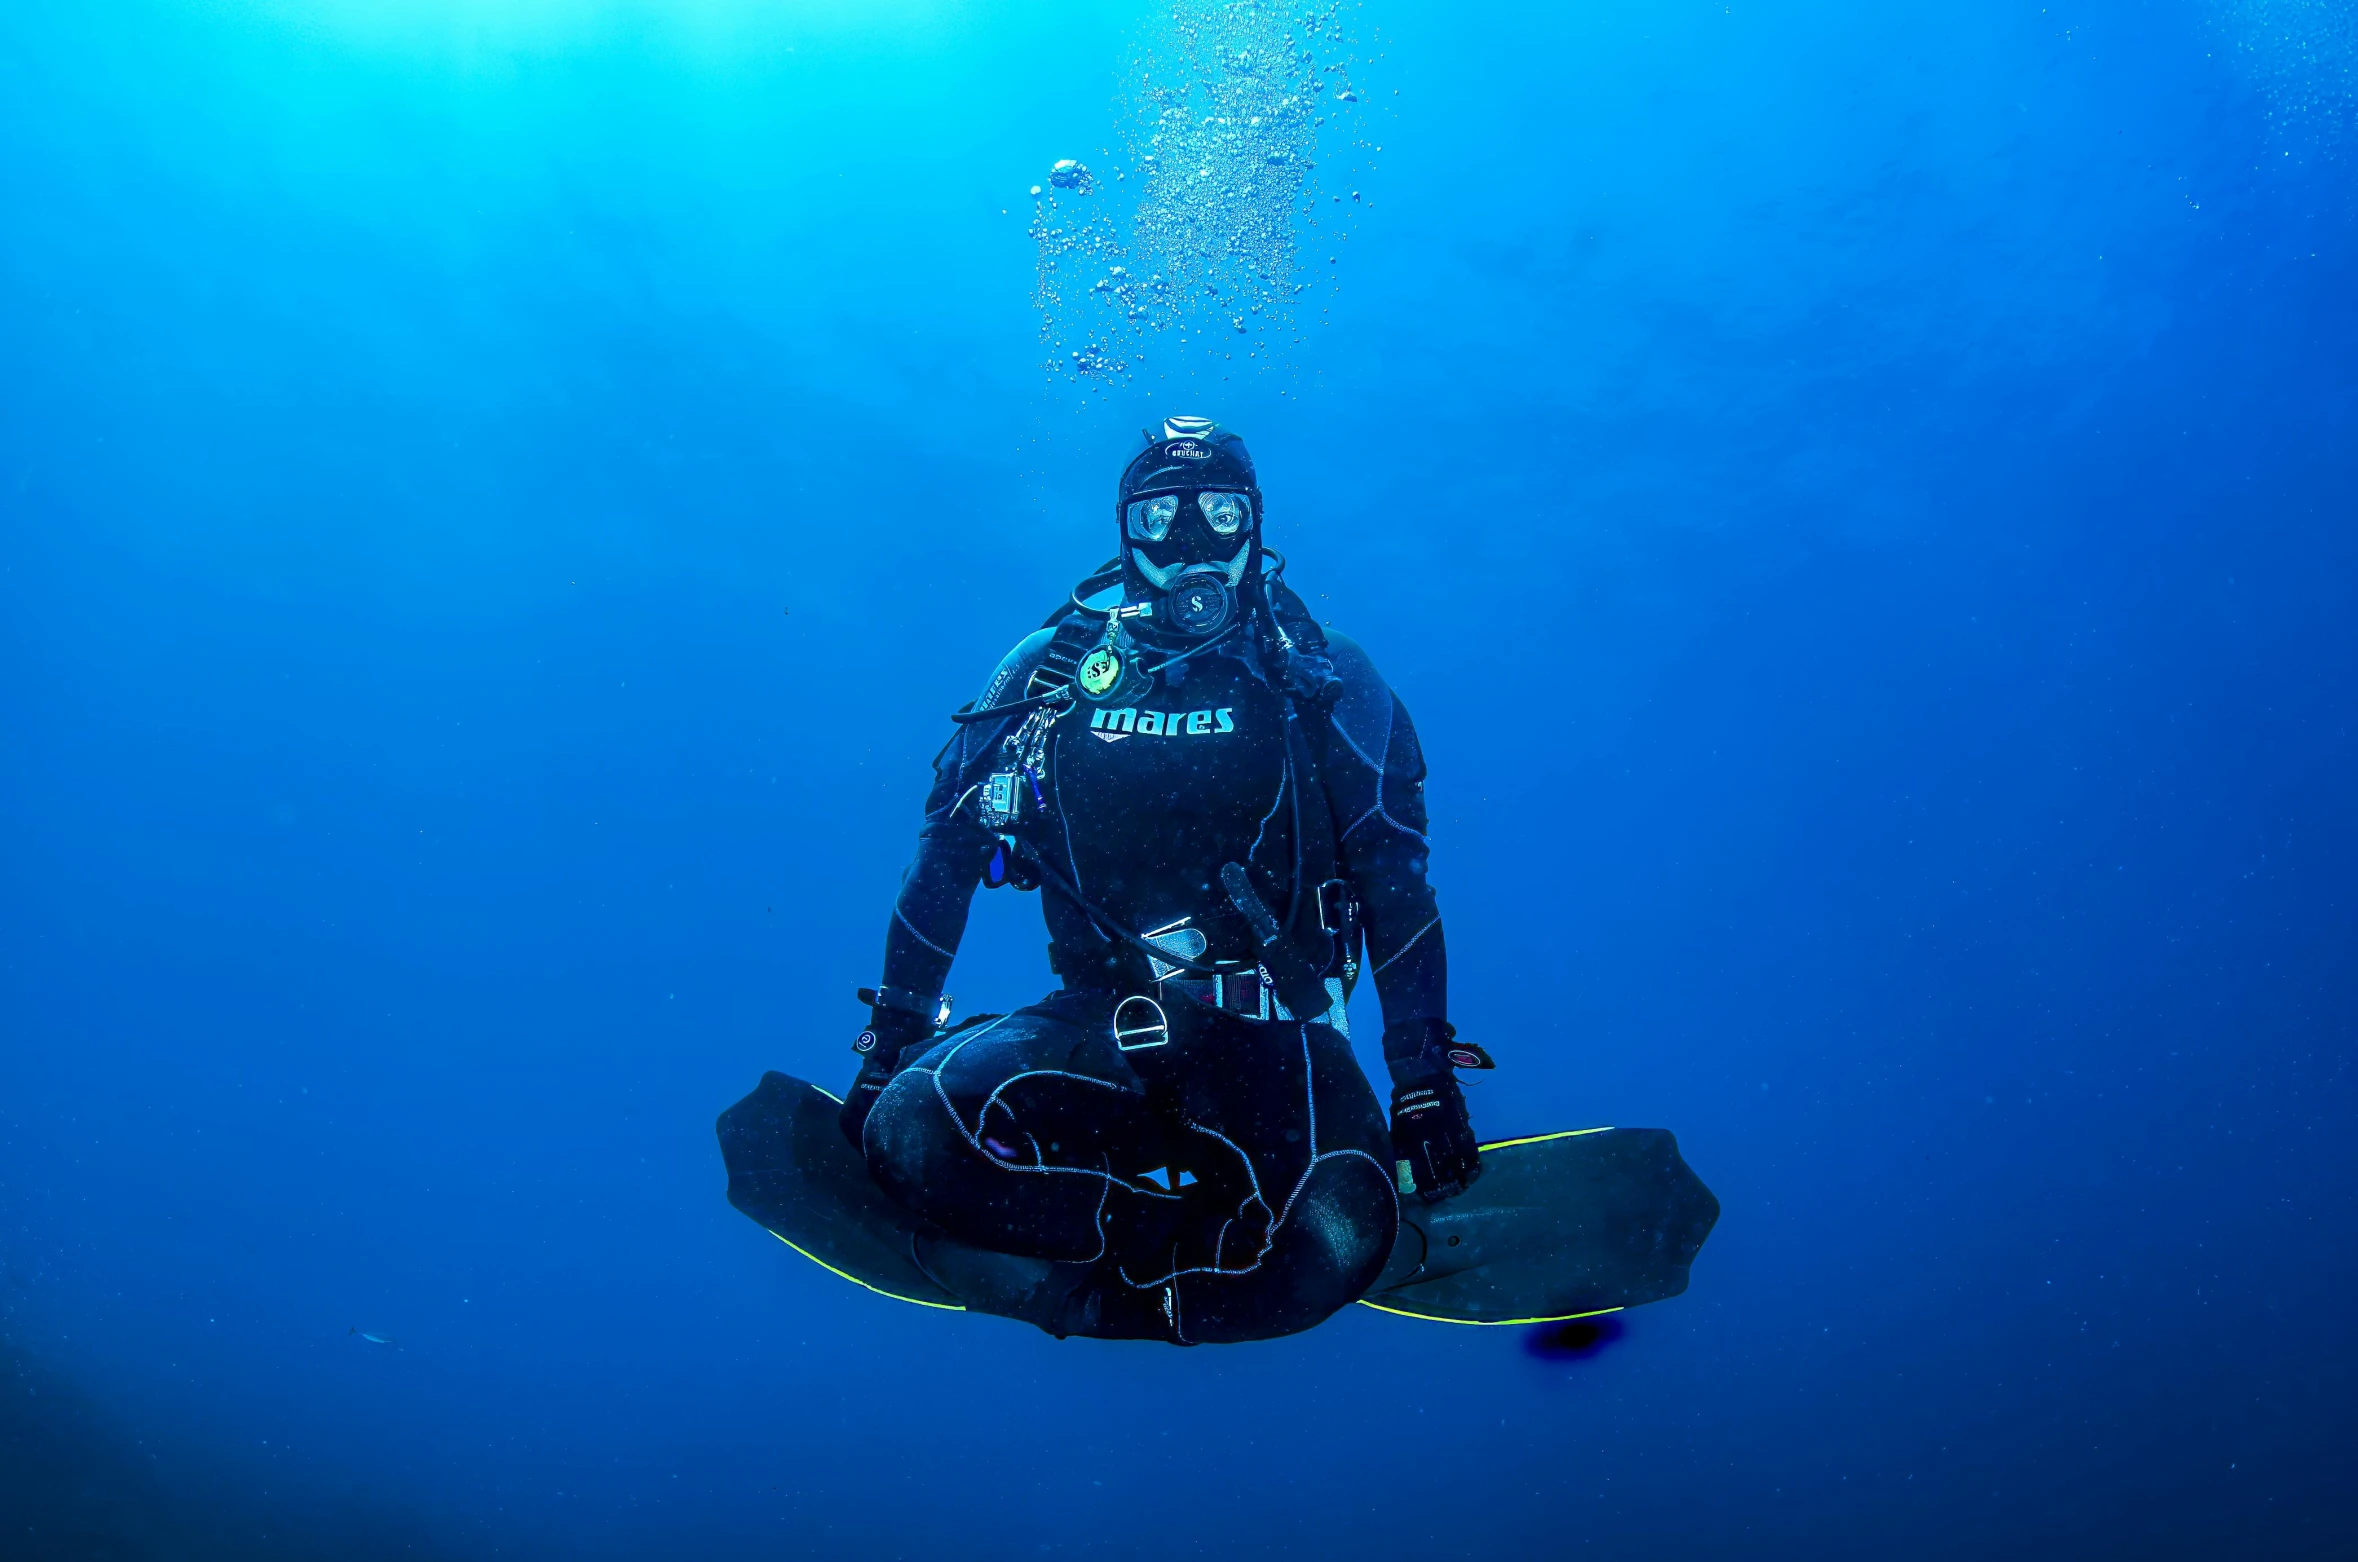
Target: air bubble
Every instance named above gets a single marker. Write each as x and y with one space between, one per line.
1223 119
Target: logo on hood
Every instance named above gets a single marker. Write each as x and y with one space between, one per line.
1188 450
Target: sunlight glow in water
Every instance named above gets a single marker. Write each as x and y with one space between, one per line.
701 27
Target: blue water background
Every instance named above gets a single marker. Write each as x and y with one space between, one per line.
496 500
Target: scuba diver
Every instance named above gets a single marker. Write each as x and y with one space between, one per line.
1222 809
1220 806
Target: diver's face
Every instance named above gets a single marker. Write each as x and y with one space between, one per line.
1167 534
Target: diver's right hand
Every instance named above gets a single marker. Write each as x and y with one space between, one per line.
1433 1139
1433 1144
888 1034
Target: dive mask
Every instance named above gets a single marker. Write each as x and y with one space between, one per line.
1150 520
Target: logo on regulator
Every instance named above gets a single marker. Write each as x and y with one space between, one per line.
1100 670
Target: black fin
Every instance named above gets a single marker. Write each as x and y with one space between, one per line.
1560 1226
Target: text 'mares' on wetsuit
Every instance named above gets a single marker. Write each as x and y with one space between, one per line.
1222 809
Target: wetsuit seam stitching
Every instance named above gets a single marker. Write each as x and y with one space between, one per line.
902 918
1405 948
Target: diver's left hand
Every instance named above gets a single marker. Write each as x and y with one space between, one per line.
890 1034
1433 1138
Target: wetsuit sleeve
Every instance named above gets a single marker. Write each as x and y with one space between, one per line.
1374 772
929 912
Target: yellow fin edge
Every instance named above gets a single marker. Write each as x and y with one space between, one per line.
914 1301
1569 1133
1487 1323
1502 1323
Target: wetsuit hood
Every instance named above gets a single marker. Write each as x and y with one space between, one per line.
1190 457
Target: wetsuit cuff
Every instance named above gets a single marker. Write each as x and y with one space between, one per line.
1417 1051
902 999
889 1033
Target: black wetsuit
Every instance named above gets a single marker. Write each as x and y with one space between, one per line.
1199 1160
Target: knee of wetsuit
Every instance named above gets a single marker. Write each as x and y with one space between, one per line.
903 1136
1344 1225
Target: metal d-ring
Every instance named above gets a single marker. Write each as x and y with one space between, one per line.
1136 1029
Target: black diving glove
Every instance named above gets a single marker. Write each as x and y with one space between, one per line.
1433 1146
891 1031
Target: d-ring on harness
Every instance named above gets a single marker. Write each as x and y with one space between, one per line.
1139 1023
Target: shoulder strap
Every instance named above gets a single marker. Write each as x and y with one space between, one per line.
1074 635
1306 666
1076 630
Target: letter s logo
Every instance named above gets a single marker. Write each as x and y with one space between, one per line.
1223 716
